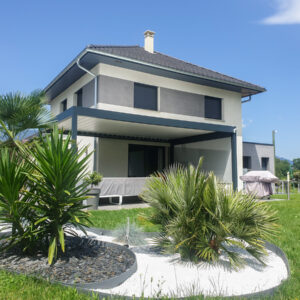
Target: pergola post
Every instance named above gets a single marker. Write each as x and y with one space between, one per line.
74 126
234 161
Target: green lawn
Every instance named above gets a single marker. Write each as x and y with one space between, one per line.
112 219
294 196
17 287
22 287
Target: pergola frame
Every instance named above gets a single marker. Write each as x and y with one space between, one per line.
217 131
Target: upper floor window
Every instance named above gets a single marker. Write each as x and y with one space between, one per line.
213 108
247 162
79 97
63 105
145 96
264 163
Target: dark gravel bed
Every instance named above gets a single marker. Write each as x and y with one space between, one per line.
85 261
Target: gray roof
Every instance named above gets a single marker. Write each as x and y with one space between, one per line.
163 60
135 57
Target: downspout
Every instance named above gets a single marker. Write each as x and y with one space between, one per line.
95 104
247 100
95 78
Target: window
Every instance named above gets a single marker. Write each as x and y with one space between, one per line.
246 162
79 97
213 108
145 96
63 105
264 163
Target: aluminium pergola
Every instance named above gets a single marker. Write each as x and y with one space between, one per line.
84 121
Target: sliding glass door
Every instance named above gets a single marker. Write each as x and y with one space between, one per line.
143 160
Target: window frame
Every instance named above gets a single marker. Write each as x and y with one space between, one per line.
137 84
209 98
79 92
267 159
64 105
249 162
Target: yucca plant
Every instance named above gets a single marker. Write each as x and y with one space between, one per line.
201 220
59 168
14 204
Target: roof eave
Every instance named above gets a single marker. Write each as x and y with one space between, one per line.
252 91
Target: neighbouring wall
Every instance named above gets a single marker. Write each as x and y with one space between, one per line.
256 152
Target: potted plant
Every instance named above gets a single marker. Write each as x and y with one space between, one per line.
93 179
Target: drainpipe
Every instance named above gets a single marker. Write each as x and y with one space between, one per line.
95 78
95 104
247 100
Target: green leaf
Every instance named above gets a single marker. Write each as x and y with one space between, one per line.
52 250
40 220
61 238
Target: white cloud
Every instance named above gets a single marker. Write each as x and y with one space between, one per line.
288 13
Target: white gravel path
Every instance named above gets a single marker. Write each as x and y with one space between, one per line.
163 275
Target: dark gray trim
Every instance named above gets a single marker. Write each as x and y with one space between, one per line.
263 144
234 161
74 125
200 138
132 118
119 137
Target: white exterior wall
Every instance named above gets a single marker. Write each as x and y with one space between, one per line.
87 141
231 104
216 153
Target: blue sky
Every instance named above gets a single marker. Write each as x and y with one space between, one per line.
253 40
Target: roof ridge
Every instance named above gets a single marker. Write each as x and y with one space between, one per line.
112 46
205 68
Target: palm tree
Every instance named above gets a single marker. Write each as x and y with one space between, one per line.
201 220
19 114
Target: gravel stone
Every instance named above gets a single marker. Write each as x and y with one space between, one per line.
85 261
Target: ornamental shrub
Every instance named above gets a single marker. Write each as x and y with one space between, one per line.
201 220
45 191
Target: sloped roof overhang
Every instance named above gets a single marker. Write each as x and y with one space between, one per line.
89 58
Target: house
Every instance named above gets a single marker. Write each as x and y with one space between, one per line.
141 110
258 156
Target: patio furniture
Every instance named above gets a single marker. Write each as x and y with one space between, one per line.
121 186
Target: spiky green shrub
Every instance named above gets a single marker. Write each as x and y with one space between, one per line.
42 191
59 168
15 205
201 220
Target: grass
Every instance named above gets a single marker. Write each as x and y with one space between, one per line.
13 287
111 219
16 287
294 196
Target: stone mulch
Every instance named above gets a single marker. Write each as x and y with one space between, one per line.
85 261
